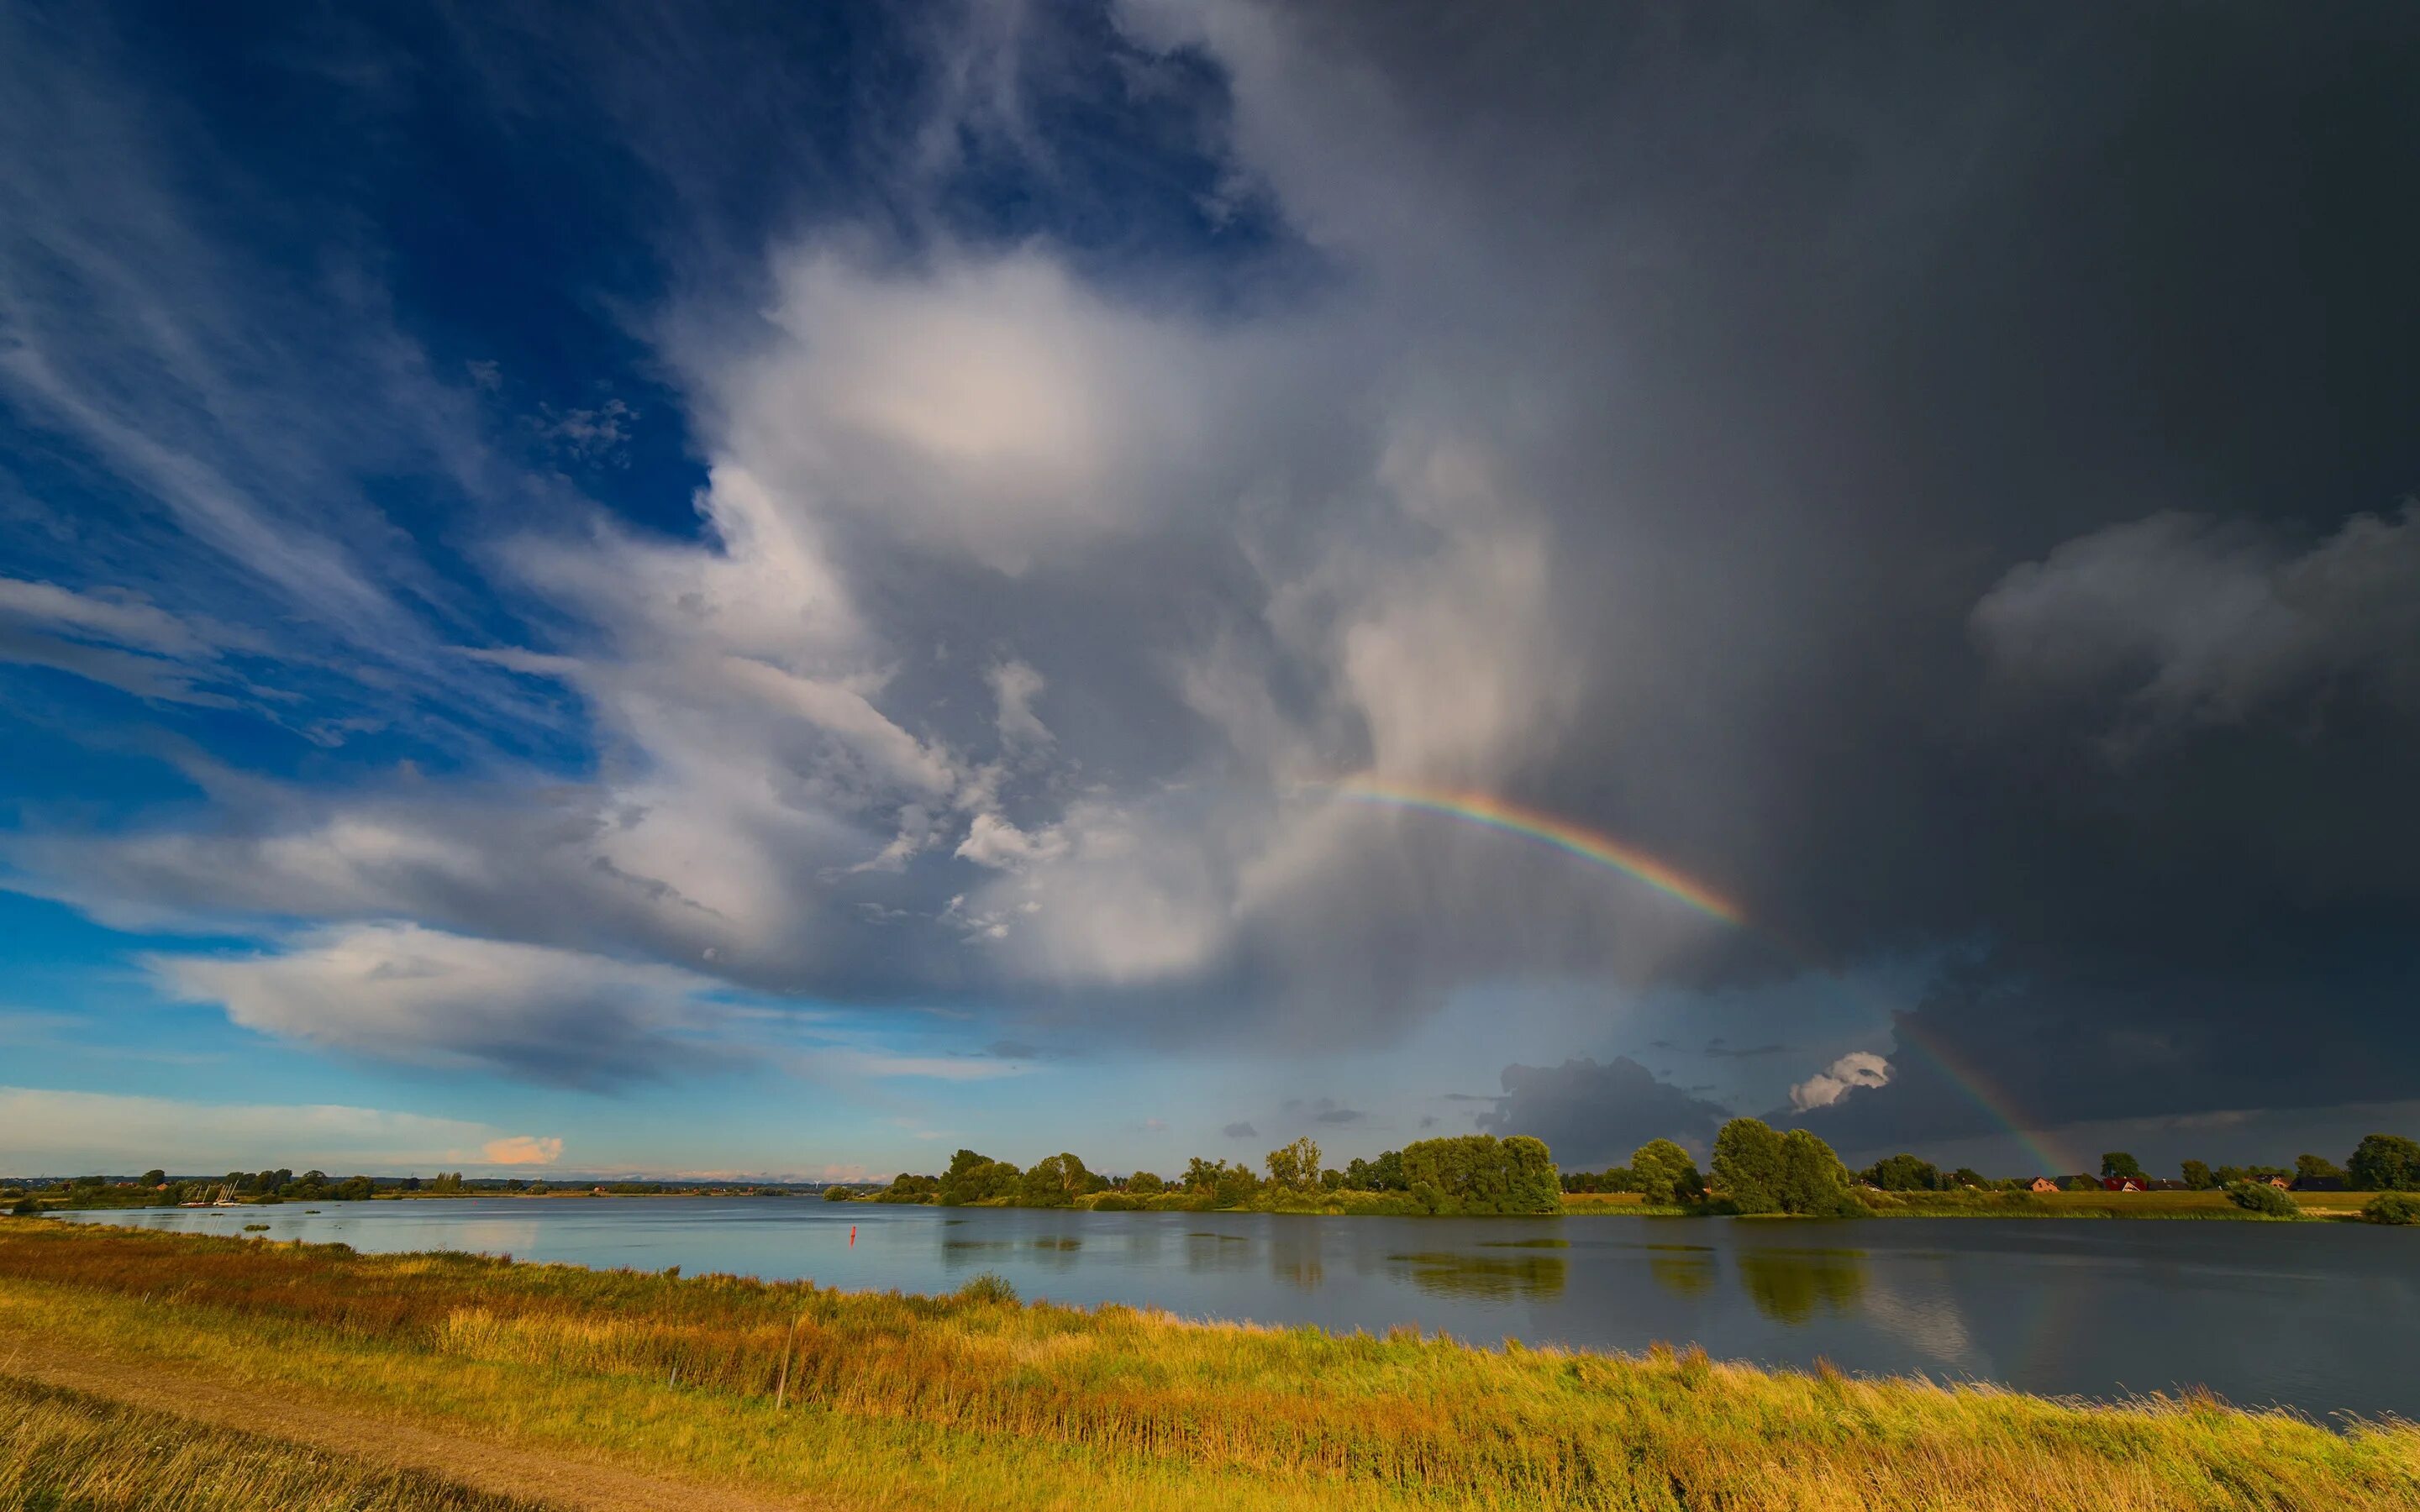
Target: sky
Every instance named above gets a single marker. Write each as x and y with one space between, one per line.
782 590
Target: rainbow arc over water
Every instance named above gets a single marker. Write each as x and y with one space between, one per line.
1491 811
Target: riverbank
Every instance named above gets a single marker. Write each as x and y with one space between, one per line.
793 1395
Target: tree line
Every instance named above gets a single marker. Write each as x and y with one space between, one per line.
1460 1174
1662 1171
1755 1169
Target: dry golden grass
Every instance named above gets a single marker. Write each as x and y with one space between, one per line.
63 1449
961 1402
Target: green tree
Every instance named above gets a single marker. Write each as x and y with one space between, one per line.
1053 1181
1145 1184
155 1176
1295 1167
976 1178
909 1188
1234 1186
1903 1173
1664 1172
1967 1176
2384 1162
2197 1176
1811 1177
2315 1169
1481 1173
1747 1164
2119 1163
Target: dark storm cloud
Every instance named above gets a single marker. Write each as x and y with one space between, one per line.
2061 606
1592 1115
1717 1050
1240 1131
1340 1116
1935 476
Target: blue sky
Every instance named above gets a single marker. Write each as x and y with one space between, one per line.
787 589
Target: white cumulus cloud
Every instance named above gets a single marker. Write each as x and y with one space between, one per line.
1858 1068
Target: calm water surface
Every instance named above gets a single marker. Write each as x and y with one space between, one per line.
2321 1317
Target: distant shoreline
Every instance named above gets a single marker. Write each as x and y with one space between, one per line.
2155 1205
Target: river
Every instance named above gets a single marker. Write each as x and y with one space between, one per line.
2321 1317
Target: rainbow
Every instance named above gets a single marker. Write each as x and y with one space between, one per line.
1502 814
1513 818
1980 1090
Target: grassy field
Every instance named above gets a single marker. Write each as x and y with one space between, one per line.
975 1401
65 1449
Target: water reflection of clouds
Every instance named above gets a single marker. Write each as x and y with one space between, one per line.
1928 1318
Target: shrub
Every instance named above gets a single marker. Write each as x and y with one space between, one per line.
988 1286
2260 1197
1118 1202
2392 1208
1902 1173
24 1206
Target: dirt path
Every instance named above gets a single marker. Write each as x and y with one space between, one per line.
546 1476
